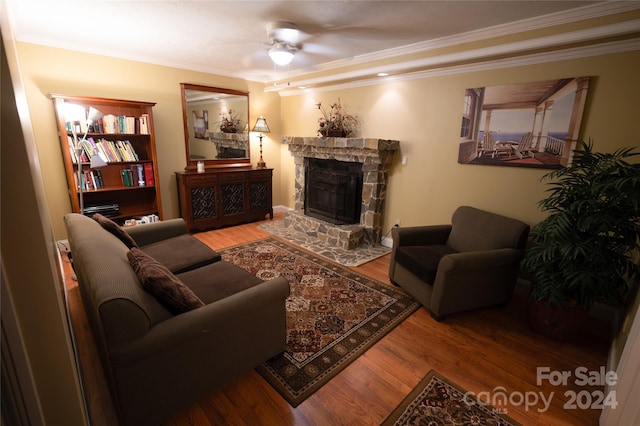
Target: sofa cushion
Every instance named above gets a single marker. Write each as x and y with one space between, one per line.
181 253
160 282
115 229
422 261
218 280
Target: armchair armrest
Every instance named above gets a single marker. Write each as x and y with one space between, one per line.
474 279
479 259
420 235
157 231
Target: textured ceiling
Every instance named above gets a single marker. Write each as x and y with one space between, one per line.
229 37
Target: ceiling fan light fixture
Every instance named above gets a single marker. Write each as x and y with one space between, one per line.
281 55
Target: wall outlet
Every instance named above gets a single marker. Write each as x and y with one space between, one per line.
396 224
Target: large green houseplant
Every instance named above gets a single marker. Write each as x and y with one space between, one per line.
582 253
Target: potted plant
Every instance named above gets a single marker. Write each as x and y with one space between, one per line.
336 123
582 253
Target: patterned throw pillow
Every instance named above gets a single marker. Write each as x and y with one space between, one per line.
115 229
162 284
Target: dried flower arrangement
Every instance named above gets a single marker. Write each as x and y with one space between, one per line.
336 123
230 121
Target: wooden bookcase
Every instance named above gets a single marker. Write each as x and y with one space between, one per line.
111 185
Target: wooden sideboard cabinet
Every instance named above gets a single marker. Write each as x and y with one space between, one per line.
223 197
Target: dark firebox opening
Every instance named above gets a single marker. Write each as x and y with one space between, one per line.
333 190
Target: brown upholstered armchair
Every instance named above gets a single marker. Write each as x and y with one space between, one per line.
471 263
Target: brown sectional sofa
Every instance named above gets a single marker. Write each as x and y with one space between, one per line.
158 363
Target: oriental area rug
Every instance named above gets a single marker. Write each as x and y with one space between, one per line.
437 401
334 314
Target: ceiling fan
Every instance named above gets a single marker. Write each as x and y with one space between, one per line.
284 38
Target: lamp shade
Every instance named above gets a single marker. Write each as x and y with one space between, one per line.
281 55
94 115
261 125
97 161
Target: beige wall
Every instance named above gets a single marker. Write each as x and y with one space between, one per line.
48 70
425 116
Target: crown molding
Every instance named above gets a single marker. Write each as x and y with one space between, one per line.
532 59
477 55
559 18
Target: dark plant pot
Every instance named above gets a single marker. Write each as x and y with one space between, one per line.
229 129
558 323
336 133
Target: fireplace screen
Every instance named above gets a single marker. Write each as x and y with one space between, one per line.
333 190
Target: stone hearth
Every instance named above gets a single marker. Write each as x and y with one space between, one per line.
376 156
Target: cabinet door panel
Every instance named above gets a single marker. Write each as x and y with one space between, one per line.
258 196
203 203
232 198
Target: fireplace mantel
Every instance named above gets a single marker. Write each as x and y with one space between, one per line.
376 156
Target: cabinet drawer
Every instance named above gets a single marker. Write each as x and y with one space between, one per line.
231 176
260 174
200 179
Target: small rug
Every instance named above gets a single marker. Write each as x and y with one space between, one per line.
334 314
437 401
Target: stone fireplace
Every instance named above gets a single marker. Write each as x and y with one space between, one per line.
374 156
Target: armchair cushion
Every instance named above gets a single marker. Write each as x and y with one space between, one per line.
423 261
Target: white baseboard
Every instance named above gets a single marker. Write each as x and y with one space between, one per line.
281 209
387 242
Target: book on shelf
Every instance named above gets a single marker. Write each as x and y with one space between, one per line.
91 180
72 150
127 177
140 175
148 174
144 124
113 123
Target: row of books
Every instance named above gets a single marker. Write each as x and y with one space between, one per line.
111 123
138 175
91 179
110 151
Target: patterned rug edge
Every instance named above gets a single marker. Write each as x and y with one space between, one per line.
272 379
294 401
398 412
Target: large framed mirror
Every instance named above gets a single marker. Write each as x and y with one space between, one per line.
216 126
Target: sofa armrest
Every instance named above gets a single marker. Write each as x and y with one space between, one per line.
205 323
157 231
420 235
188 356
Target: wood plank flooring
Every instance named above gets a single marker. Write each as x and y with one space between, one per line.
479 350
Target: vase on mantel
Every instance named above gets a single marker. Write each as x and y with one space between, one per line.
333 133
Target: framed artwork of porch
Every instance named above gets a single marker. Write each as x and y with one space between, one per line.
201 124
534 124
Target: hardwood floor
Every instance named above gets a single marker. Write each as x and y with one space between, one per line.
478 350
